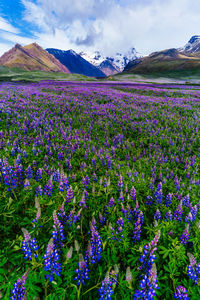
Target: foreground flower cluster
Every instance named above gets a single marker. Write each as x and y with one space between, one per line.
100 192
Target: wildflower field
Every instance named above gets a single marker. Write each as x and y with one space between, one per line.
99 191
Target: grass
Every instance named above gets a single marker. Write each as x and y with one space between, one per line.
17 74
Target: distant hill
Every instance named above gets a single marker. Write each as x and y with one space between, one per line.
31 57
108 67
75 63
164 61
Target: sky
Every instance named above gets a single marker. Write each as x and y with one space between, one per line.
109 26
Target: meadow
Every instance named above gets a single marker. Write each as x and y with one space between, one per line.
99 191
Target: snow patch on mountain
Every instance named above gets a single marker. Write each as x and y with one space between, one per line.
193 45
120 60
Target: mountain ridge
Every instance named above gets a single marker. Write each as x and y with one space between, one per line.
31 57
186 58
75 63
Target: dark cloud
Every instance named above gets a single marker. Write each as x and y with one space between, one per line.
89 40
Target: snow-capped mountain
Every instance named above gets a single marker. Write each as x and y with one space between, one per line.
75 63
193 45
120 60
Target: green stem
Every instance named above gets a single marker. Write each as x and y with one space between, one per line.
79 292
14 195
45 289
91 289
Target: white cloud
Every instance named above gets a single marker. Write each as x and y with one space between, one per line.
14 38
4 47
5 25
109 25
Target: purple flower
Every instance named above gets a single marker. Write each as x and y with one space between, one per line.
181 293
19 288
148 256
178 212
48 188
185 235
58 235
120 182
70 195
138 228
82 271
168 200
94 253
148 285
107 286
168 216
157 215
133 193
193 270
159 194
51 261
149 201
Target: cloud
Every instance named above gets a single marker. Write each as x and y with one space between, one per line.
14 38
4 47
6 26
109 25
90 38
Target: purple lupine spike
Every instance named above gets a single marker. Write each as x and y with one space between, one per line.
181 293
58 234
186 201
102 219
168 216
159 193
111 202
185 235
27 184
193 270
107 285
56 176
149 201
168 200
95 248
51 261
29 172
138 227
121 197
148 256
48 188
133 193
38 176
29 247
18 291
157 215
120 182
178 212
38 214
82 271
148 285
70 195
94 177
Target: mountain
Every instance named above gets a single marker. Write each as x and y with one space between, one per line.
31 57
108 67
75 63
118 60
193 45
182 59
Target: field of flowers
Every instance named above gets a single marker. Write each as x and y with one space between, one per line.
99 191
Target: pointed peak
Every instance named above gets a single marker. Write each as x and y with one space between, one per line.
194 38
18 46
33 45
